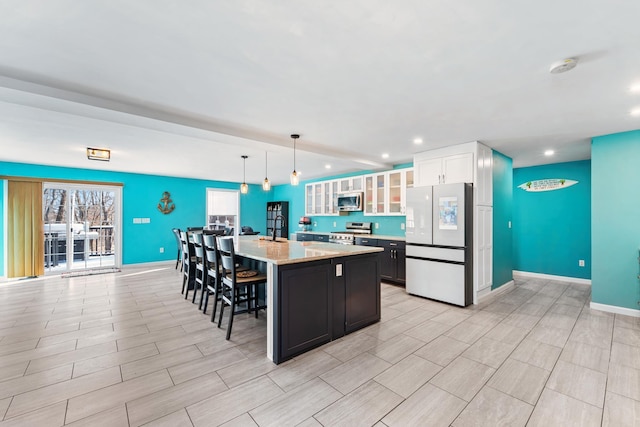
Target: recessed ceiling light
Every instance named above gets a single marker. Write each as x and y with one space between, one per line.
635 112
417 141
327 166
563 66
549 153
385 155
635 87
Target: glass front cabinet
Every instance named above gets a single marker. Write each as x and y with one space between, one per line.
385 192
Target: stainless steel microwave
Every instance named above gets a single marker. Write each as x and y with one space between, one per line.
350 202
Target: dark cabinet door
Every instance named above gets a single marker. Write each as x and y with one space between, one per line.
304 237
387 264
321 237
305 317
401 266
362 292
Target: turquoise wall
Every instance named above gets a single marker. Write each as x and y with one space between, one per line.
552 229
616 219
387 225
140 196
502 214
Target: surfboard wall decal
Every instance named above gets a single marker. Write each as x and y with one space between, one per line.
547 184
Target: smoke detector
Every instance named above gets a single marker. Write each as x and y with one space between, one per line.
563 66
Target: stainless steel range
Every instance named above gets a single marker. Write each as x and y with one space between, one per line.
348 237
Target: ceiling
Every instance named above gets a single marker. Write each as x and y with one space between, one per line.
187 88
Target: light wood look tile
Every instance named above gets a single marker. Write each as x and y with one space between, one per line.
620 411
171 399
537 354
429 406
304 368
150 364
558 410
115 417
520 380
463 378
627 336
579 382
61 359
364 406
243 420
26 383
226 406
625 355
350 347
357 371
428 331
489 352
13 371
107 397
408 375
297 405
177 419
396 348
586 355
442 350
624 381
493 408
95 364
61 391
205 365
52 416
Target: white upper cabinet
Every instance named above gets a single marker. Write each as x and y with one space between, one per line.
385 192
484 178
321 198
353 183
444 170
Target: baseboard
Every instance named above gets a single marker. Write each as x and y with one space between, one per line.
517 273
151 264
484 295
615 309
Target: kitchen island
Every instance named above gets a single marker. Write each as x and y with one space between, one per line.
316 292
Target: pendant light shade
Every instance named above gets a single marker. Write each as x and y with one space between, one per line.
295 177
244 188
266 185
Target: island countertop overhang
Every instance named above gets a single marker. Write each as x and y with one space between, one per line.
284 252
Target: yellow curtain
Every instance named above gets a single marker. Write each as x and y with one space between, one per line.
25 234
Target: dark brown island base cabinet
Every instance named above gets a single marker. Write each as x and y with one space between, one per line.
323 300
392 260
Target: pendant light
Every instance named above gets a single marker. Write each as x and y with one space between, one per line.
266 185
295 178
244 188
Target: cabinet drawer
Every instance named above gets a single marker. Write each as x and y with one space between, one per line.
366 241
392 244
321 237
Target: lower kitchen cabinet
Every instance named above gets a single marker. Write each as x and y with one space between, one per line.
392 261
324 300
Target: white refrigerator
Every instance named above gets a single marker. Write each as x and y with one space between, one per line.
439 234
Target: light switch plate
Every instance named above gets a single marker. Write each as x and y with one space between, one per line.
338 270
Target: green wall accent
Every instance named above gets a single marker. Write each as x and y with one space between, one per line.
552 229
502 214
616 219
141 194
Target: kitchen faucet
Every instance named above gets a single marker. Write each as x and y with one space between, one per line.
275 224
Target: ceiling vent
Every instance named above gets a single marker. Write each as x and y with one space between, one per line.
563 66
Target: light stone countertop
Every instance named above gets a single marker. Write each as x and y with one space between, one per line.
291 252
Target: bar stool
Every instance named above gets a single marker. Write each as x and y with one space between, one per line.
176 233
200 275
213 268
237 287
188 264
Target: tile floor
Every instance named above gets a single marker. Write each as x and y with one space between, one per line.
125 349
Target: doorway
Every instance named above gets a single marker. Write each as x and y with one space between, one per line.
81 227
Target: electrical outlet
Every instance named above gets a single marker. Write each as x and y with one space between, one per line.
315 224
509 224
161 250
334 224
402 226
581 263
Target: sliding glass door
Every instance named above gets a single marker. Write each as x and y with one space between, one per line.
81 226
